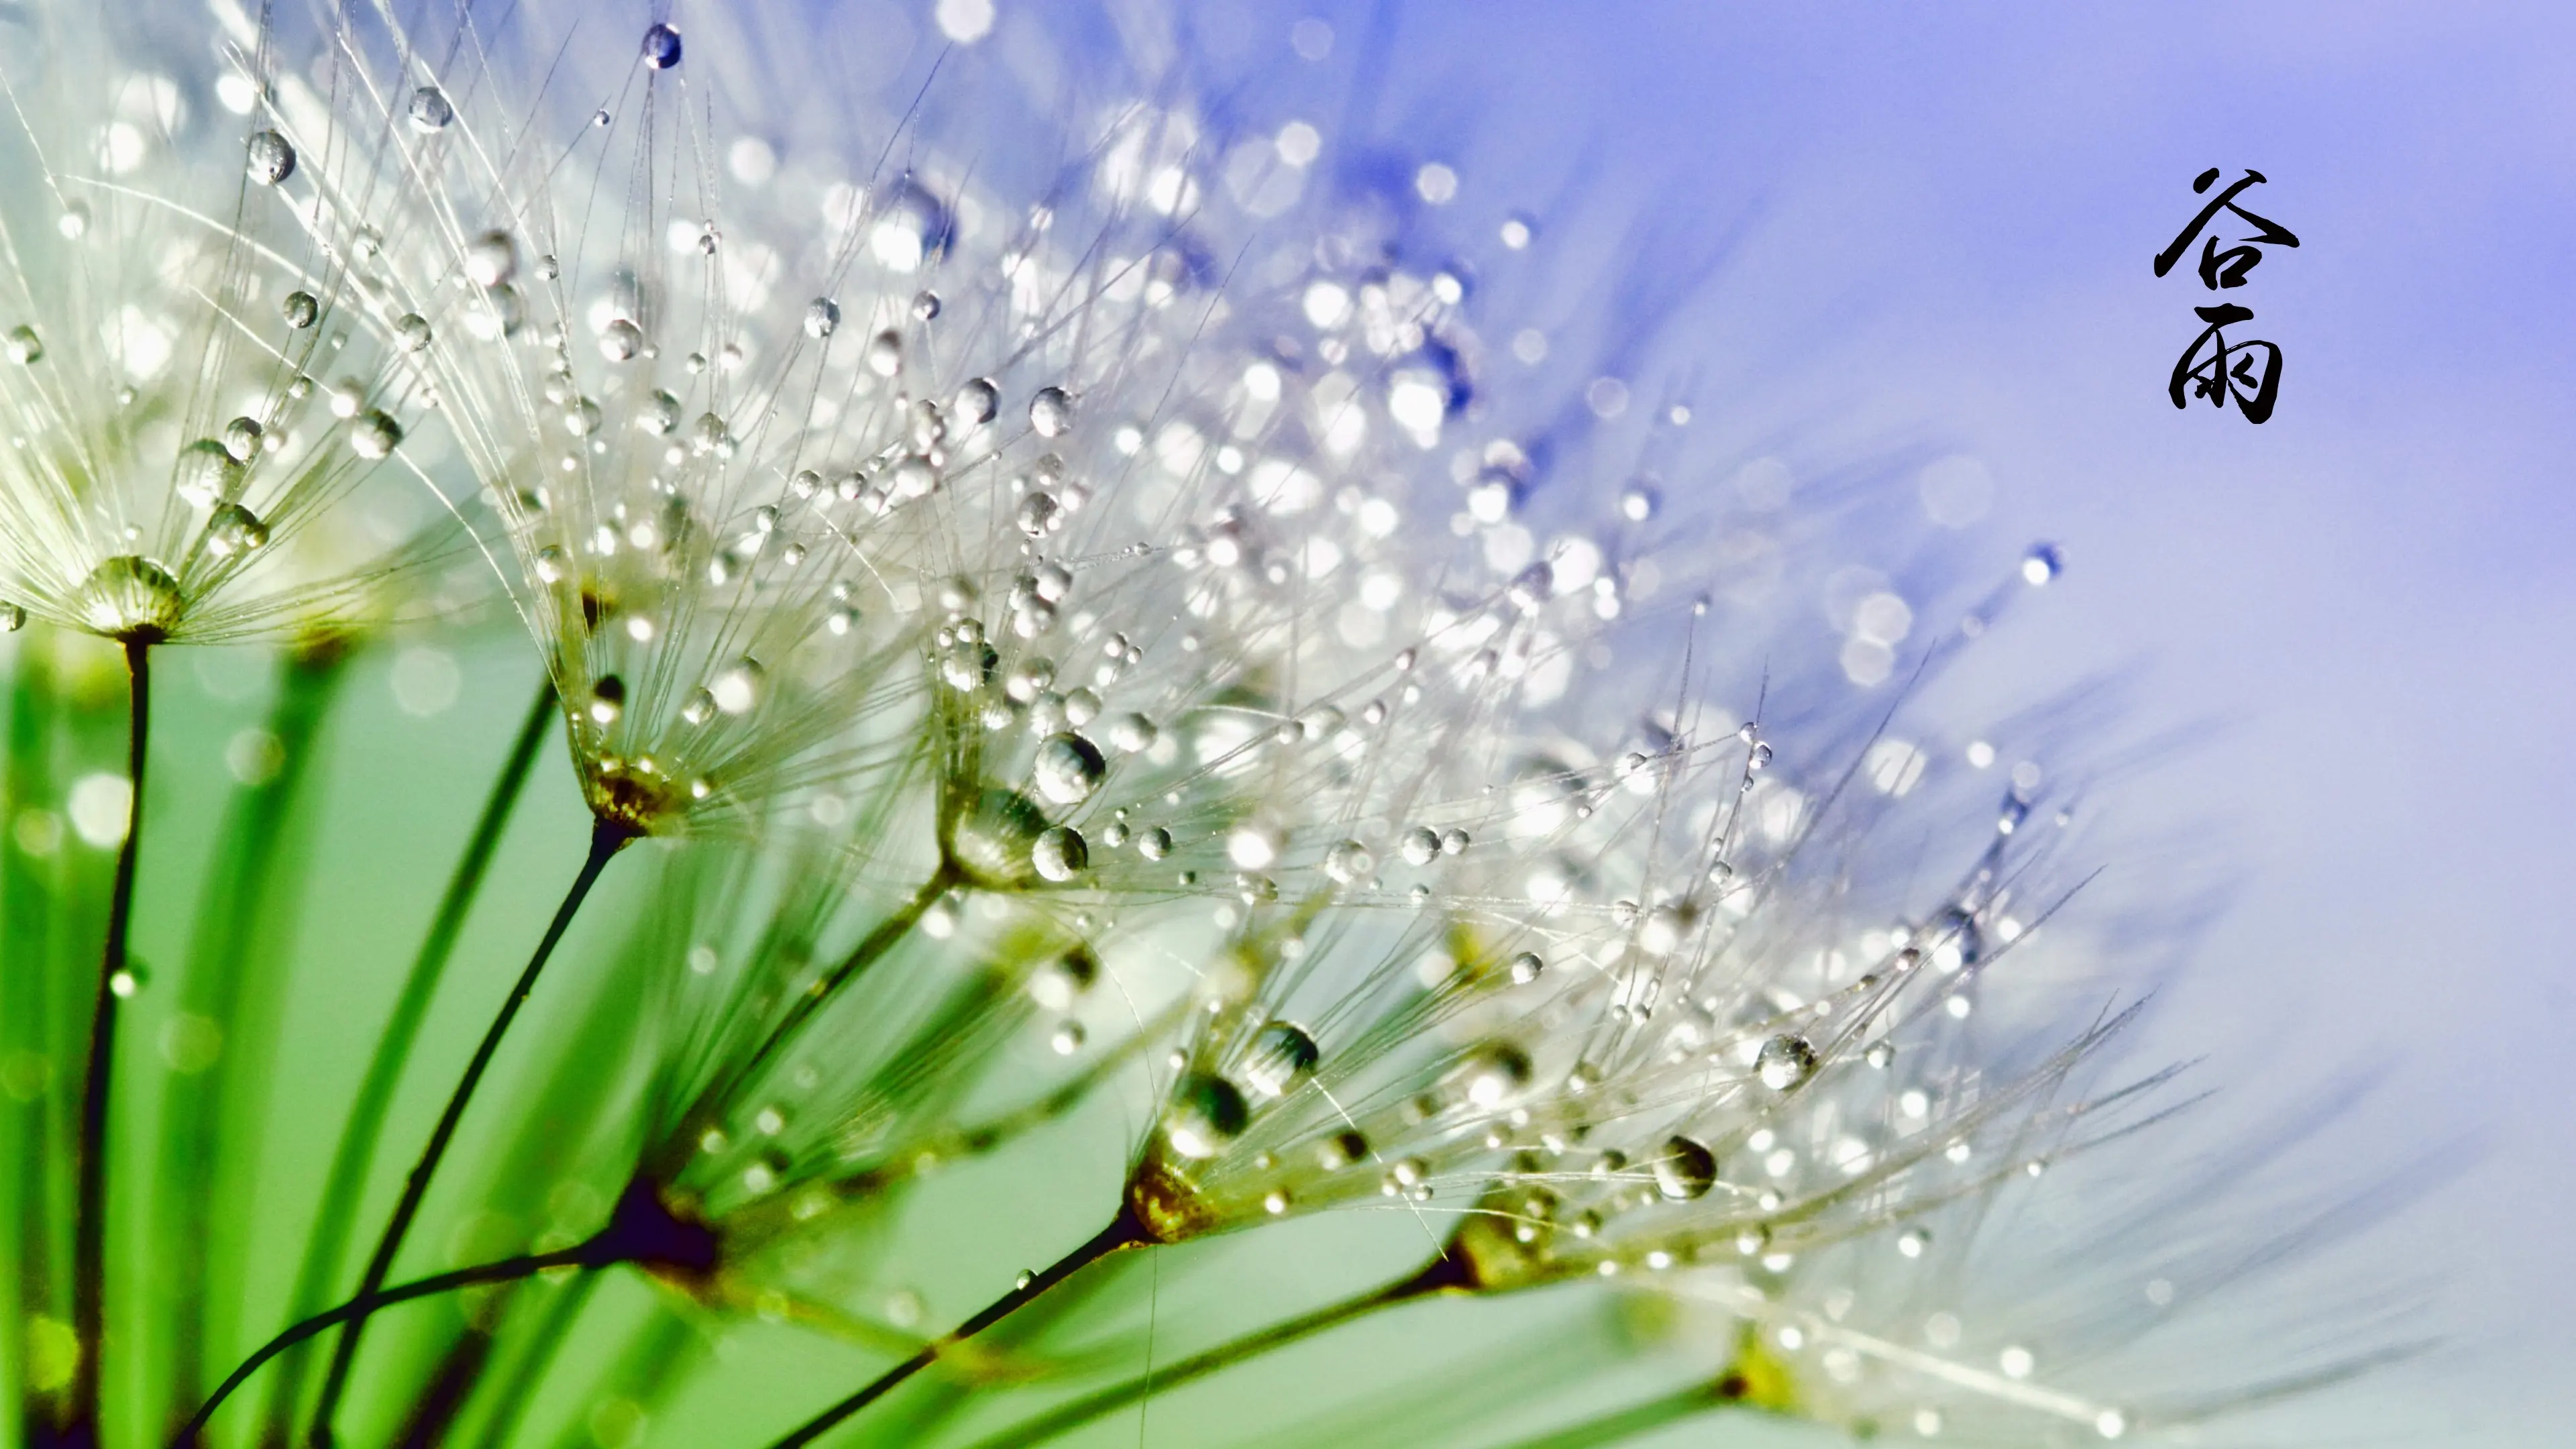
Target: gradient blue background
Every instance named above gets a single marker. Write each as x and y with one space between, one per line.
2360 614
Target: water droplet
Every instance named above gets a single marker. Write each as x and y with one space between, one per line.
1068 769
272 159
1038 513
2042 564
1686 1171
1912 1242
208 474
822 316
1282 1056
1637 503
1206 1114
411 332
1879 1055
661 47
12 618
1531 587
699 707
491 259
1051 412
130 597
736 687
620 340
1062 980
300 309
233 529
374 435
1133 733
1493 1073
660 414
1785 1062
1060 854
1349 862
1421 845
241 438
24 348
1526 968
1067 1039
430 111
1154 844
977 401
607 699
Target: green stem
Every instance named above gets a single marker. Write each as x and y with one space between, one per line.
89 1232
344 1185
231 988
1123 1232
606 839
1620 1425
1441 1275
27 1026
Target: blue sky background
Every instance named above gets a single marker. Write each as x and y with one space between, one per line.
2360 614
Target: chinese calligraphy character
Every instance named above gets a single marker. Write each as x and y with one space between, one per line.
2217 378
2222 269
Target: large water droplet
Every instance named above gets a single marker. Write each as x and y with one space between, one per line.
822 317
620 340
12 618
241 438
1785 1061
736 687
1349 862
1421 846
207 474
374 435
1051 412
272 158
1685 1171
1207 1114
491 259
300 309
1492 1073
24 347
992 839
661 47
1060 854
131 597
1282 1056
430 111
1068 769
1063 979
2042 564
232 530
977 401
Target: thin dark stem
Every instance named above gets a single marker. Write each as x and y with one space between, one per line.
1123 1233
1441 1276
580 1255
606 839
354 1158
89 1233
